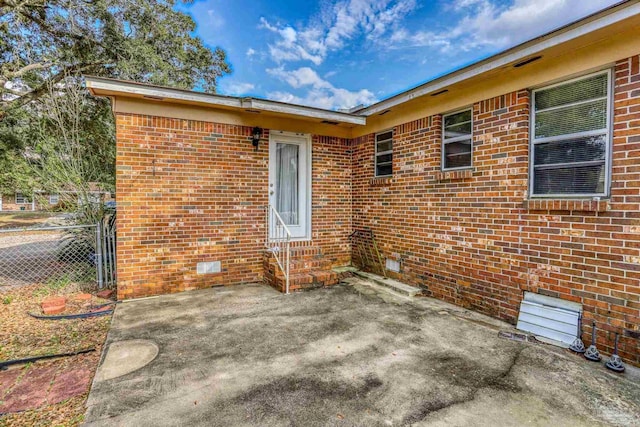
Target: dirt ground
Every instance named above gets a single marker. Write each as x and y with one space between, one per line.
38 387
351 355
23 219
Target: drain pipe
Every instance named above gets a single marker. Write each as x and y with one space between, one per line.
578 346
592 352
615 362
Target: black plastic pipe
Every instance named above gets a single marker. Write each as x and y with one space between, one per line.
72 316
3 365
78 315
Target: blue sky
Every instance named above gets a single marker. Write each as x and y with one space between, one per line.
341 53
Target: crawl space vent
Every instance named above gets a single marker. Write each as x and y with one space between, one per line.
208 267
549 317
393 265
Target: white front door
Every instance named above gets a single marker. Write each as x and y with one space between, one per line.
290 180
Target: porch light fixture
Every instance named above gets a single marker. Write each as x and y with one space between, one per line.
255 137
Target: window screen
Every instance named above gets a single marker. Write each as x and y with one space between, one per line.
384 153
457 140
571 137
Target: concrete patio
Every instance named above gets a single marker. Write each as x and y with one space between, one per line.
352 355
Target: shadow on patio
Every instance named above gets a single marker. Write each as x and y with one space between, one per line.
347 355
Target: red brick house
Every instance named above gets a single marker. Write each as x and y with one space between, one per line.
518 173
41 201
23 202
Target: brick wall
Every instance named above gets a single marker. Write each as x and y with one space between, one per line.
42 203
190 191
9 204
471 237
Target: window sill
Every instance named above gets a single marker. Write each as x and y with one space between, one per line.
454 174
567 205
381 181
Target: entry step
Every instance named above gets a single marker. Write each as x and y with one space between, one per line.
392 284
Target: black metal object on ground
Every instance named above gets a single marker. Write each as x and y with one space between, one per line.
615 362
3 365
592 352
577 346
78 315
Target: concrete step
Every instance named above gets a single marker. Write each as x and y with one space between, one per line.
345 269
391 284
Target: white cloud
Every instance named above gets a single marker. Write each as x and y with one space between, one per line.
251 52
464 26
525 19
485 23
337 23
229 87
215 19
320 93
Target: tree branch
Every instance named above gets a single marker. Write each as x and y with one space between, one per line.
42 89
18 73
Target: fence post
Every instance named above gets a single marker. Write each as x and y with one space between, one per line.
99 254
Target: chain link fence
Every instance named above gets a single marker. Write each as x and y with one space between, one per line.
56 256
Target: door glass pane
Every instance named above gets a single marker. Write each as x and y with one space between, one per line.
287 161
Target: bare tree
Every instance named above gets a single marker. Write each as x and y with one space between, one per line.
63 161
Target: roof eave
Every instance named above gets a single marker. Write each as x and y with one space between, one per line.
518 53
100 86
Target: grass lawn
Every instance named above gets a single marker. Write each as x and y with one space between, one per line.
23 336
23 219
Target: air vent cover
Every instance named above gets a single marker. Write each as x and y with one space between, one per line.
209 267
548 317
393 265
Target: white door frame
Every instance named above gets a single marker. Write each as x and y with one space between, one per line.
302 231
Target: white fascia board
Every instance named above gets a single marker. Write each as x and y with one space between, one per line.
133 88
512 55
161 93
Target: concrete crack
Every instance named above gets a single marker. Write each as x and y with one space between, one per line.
496 382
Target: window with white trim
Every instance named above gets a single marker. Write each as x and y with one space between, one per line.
570 137
457 140
384 153
54 199
21 199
